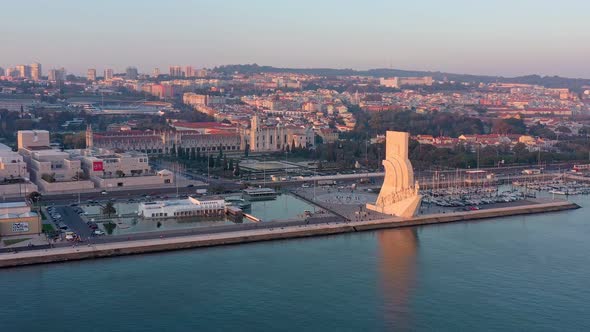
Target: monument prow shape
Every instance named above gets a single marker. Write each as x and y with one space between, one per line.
399 194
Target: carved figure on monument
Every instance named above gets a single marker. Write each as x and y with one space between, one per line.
399 194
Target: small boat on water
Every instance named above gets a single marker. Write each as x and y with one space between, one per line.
558 192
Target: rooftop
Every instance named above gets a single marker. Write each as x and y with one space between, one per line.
12 205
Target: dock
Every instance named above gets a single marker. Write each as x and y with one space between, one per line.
265 234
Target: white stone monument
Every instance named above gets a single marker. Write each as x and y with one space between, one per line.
399 194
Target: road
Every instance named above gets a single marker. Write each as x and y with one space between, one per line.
77 225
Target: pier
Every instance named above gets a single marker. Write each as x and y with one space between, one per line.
266 234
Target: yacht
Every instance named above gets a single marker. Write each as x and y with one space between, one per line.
259 194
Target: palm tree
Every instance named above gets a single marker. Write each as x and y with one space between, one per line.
34 197
109 209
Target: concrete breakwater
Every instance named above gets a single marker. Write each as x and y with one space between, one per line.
256 235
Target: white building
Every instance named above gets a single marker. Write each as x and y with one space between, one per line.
52 170
397 82
14 175
108 169
190 207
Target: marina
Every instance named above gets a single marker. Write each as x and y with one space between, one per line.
470 198
556 186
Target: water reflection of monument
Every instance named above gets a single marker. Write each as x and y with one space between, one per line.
399 193
397 267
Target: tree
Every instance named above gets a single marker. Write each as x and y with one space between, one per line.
541 131
218 161
180 152
34 197
237 169
563 130
109 209
584 130
81 176
48 177
509 126
519 149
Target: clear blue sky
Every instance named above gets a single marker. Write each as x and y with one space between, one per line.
504 37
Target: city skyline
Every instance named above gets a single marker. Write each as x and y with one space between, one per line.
501 38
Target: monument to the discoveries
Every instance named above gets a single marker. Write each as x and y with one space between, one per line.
399 193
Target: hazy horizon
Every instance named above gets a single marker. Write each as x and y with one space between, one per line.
501 38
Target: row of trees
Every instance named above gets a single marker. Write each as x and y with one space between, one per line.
433 123
193 158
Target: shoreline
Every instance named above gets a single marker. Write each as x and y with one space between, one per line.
44 256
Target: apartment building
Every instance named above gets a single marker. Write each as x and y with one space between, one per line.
14 175
52 170
108 169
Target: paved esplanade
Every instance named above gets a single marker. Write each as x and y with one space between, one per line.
399 193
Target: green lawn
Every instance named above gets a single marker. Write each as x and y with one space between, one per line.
15 241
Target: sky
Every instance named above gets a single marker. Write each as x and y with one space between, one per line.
494 37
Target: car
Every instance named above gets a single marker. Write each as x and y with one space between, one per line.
190 186
70 236
98 232
104 192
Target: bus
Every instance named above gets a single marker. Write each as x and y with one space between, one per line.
531 171
581 168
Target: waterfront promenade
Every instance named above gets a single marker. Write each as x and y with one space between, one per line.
285 232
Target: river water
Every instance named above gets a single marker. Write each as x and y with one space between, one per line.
524 273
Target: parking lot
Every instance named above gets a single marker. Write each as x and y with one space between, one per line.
69 219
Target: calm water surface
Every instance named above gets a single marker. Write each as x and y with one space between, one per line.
527 273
